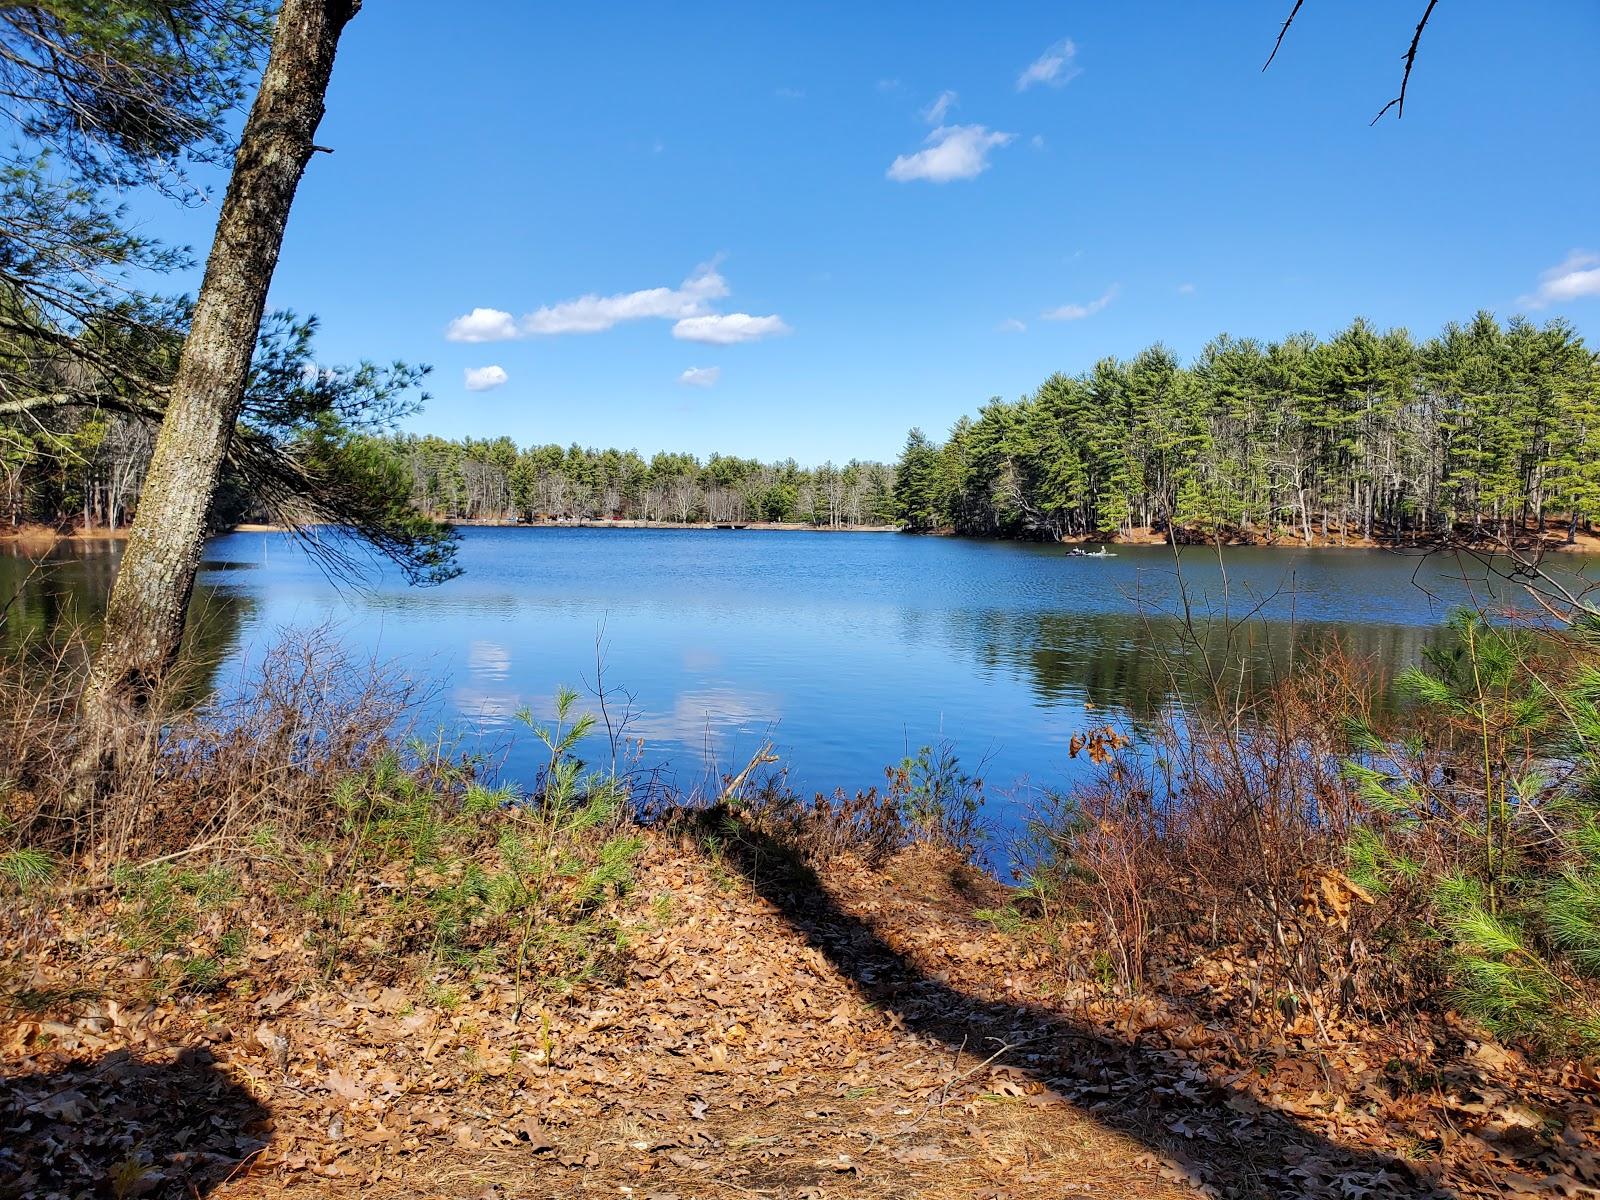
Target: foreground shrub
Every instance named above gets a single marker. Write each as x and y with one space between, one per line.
940 802
1358 869
927 800
269 751
1486 818
297 811
1223 828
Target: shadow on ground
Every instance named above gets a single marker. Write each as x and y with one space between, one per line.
121 1126
1238 1148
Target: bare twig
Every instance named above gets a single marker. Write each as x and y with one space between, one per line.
1399 102
1295 12
616 723
1005 1048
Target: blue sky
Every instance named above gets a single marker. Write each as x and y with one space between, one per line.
784 181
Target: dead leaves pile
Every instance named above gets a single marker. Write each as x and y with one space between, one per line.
874 1042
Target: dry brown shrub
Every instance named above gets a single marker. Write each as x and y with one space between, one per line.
1227 830
925 801
867 824
291 808
184 777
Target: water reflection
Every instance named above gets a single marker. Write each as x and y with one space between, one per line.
1139 663
849 651
58 597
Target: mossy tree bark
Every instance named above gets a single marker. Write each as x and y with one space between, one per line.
145 618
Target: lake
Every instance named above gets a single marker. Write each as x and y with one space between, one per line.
848 651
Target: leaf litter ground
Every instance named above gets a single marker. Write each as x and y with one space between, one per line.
858 1035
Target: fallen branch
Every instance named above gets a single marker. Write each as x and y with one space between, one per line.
762 757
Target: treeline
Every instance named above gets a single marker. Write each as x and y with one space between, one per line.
82 468
1488 427
86 469
494 479
1368 434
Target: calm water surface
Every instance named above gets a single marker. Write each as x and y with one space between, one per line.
847 650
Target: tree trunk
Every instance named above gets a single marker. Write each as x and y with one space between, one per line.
145 617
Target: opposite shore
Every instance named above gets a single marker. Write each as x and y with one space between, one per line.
35 537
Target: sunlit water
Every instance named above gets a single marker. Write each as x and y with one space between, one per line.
848 651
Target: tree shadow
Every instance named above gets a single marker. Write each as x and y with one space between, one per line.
1237 1146
122 1126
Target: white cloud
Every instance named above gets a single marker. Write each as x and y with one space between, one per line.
1011 325
1578 275
481 379
1186 289
594 313
701 376
953 152
1054 68
1077 312
888 85
726 329
788 93
1037 141
482 325
934 113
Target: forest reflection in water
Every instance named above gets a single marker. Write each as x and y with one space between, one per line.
56 602
1139 664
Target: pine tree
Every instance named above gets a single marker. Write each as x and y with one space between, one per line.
916 483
